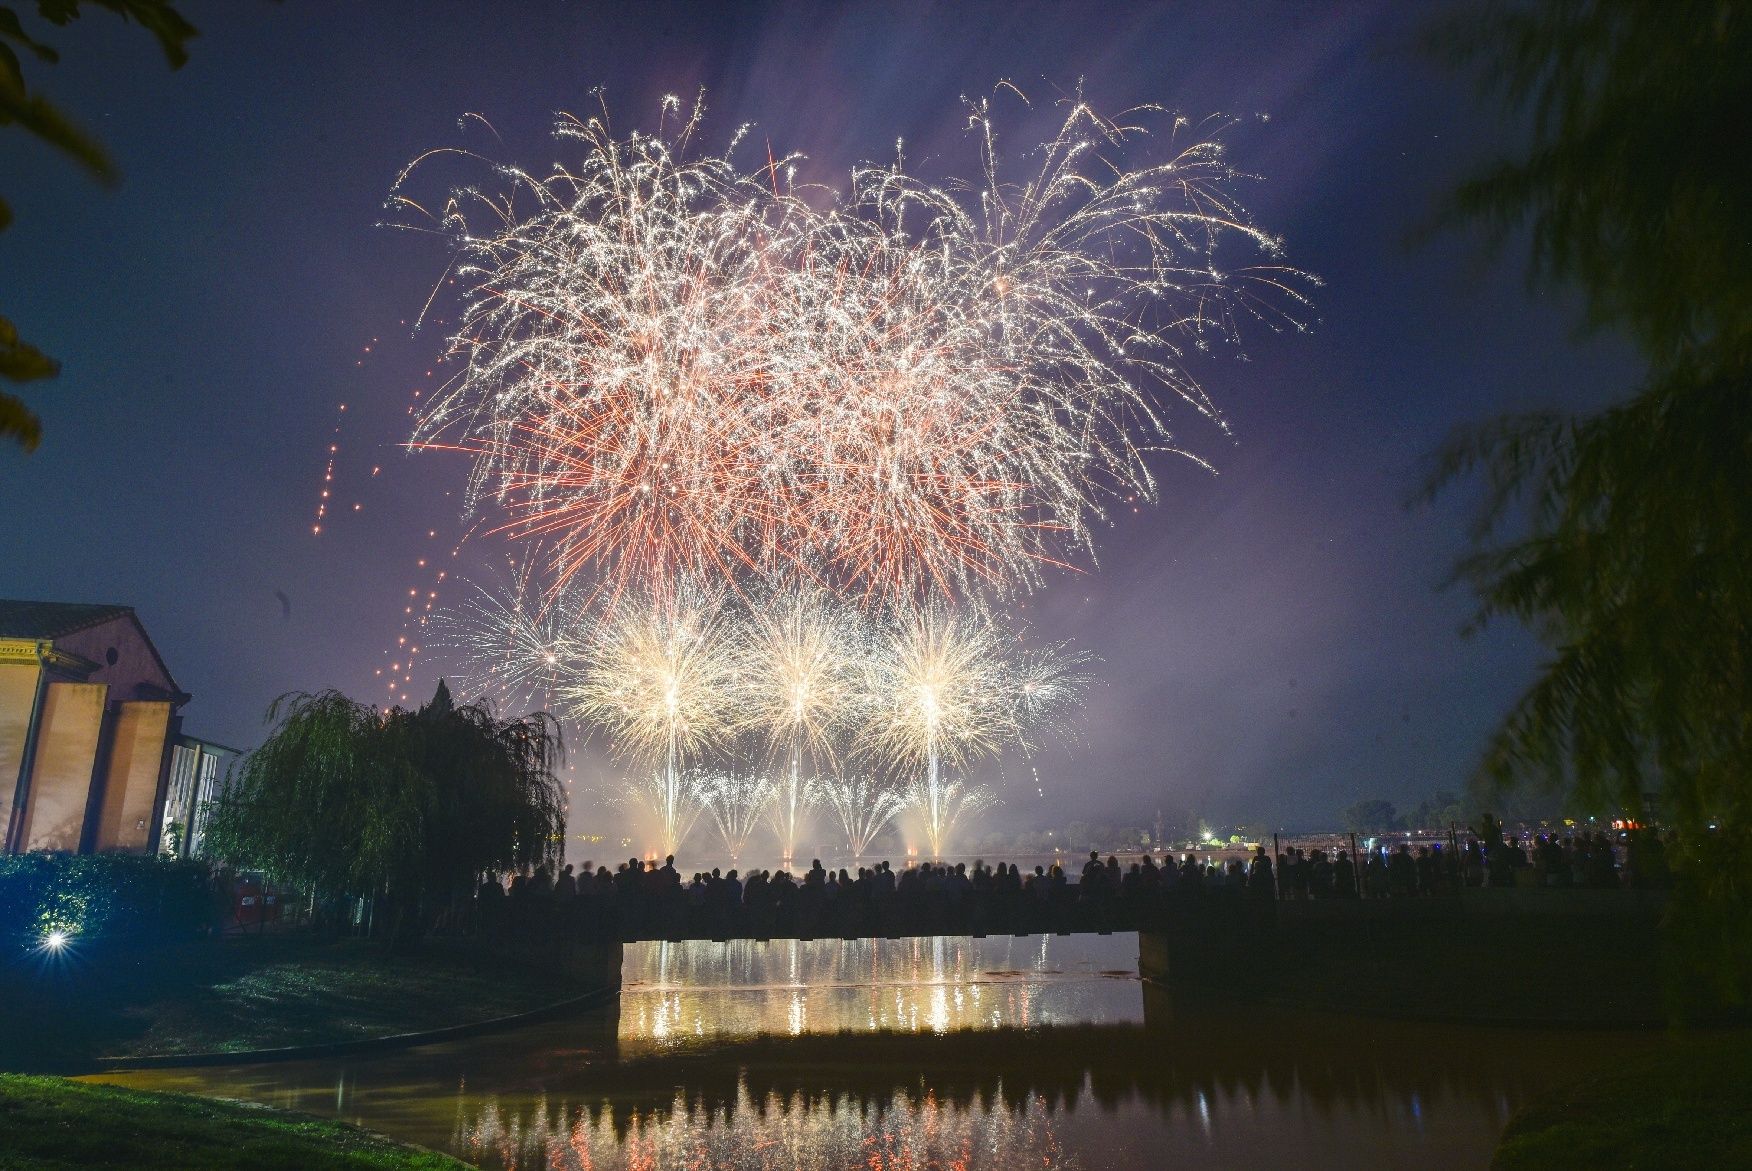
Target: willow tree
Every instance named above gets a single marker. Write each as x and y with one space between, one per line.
412 805
1624 536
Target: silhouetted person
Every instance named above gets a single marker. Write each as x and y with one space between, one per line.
1259 875
490 906
1344 877
1401 872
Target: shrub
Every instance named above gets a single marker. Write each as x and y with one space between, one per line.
103 897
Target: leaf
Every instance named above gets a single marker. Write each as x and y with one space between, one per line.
11 30
18 424
48 124
157 17
19 360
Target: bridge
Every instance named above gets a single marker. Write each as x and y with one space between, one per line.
1484 954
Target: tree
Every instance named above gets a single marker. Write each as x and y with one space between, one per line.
1437 811
20 361
1255 832
1624 536
1371 817
415 806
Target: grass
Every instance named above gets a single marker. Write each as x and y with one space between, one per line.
47 1123
258 993
1685 1104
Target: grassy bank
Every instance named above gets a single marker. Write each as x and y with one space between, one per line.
255 993
1687 1103
47 1123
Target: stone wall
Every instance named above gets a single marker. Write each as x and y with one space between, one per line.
1563 956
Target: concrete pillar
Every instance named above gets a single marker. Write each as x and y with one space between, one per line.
1153 955
61 773
595 965
18 701
130 786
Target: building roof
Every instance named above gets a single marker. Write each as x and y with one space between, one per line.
212 746
21 619
52 620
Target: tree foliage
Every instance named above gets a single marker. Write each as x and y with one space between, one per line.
1371 817
1624 536
1437 811
1634 176
349 799
42 120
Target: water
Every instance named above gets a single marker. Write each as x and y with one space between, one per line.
903 1055
745 989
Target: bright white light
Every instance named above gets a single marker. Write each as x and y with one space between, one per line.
55 940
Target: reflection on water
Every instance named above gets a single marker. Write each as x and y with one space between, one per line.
822 1133
699 989
908 1055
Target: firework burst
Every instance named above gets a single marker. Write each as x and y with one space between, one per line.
698 686
520 644
863 807
672 804
659 677
798 691
737 805
946 688
675 368
940 806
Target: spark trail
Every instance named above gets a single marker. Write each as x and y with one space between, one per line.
675 368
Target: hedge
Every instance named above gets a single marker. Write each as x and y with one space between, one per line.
104 897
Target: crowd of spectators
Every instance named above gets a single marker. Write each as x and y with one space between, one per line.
646 900
649 900
1489 858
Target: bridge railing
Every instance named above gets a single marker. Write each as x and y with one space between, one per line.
810 914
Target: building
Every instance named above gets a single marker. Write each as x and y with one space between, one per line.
197 776
91 735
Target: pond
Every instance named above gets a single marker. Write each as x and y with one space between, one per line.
902 1055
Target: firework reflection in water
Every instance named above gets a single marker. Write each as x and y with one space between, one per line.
827 1132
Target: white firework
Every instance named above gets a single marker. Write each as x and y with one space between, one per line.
863 806
520 645
941 805
737 804
799 693
675 367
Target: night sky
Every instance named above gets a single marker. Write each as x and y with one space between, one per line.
1272 641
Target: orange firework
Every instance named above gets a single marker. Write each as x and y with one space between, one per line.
677 369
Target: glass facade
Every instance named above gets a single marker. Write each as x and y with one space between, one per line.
195 781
